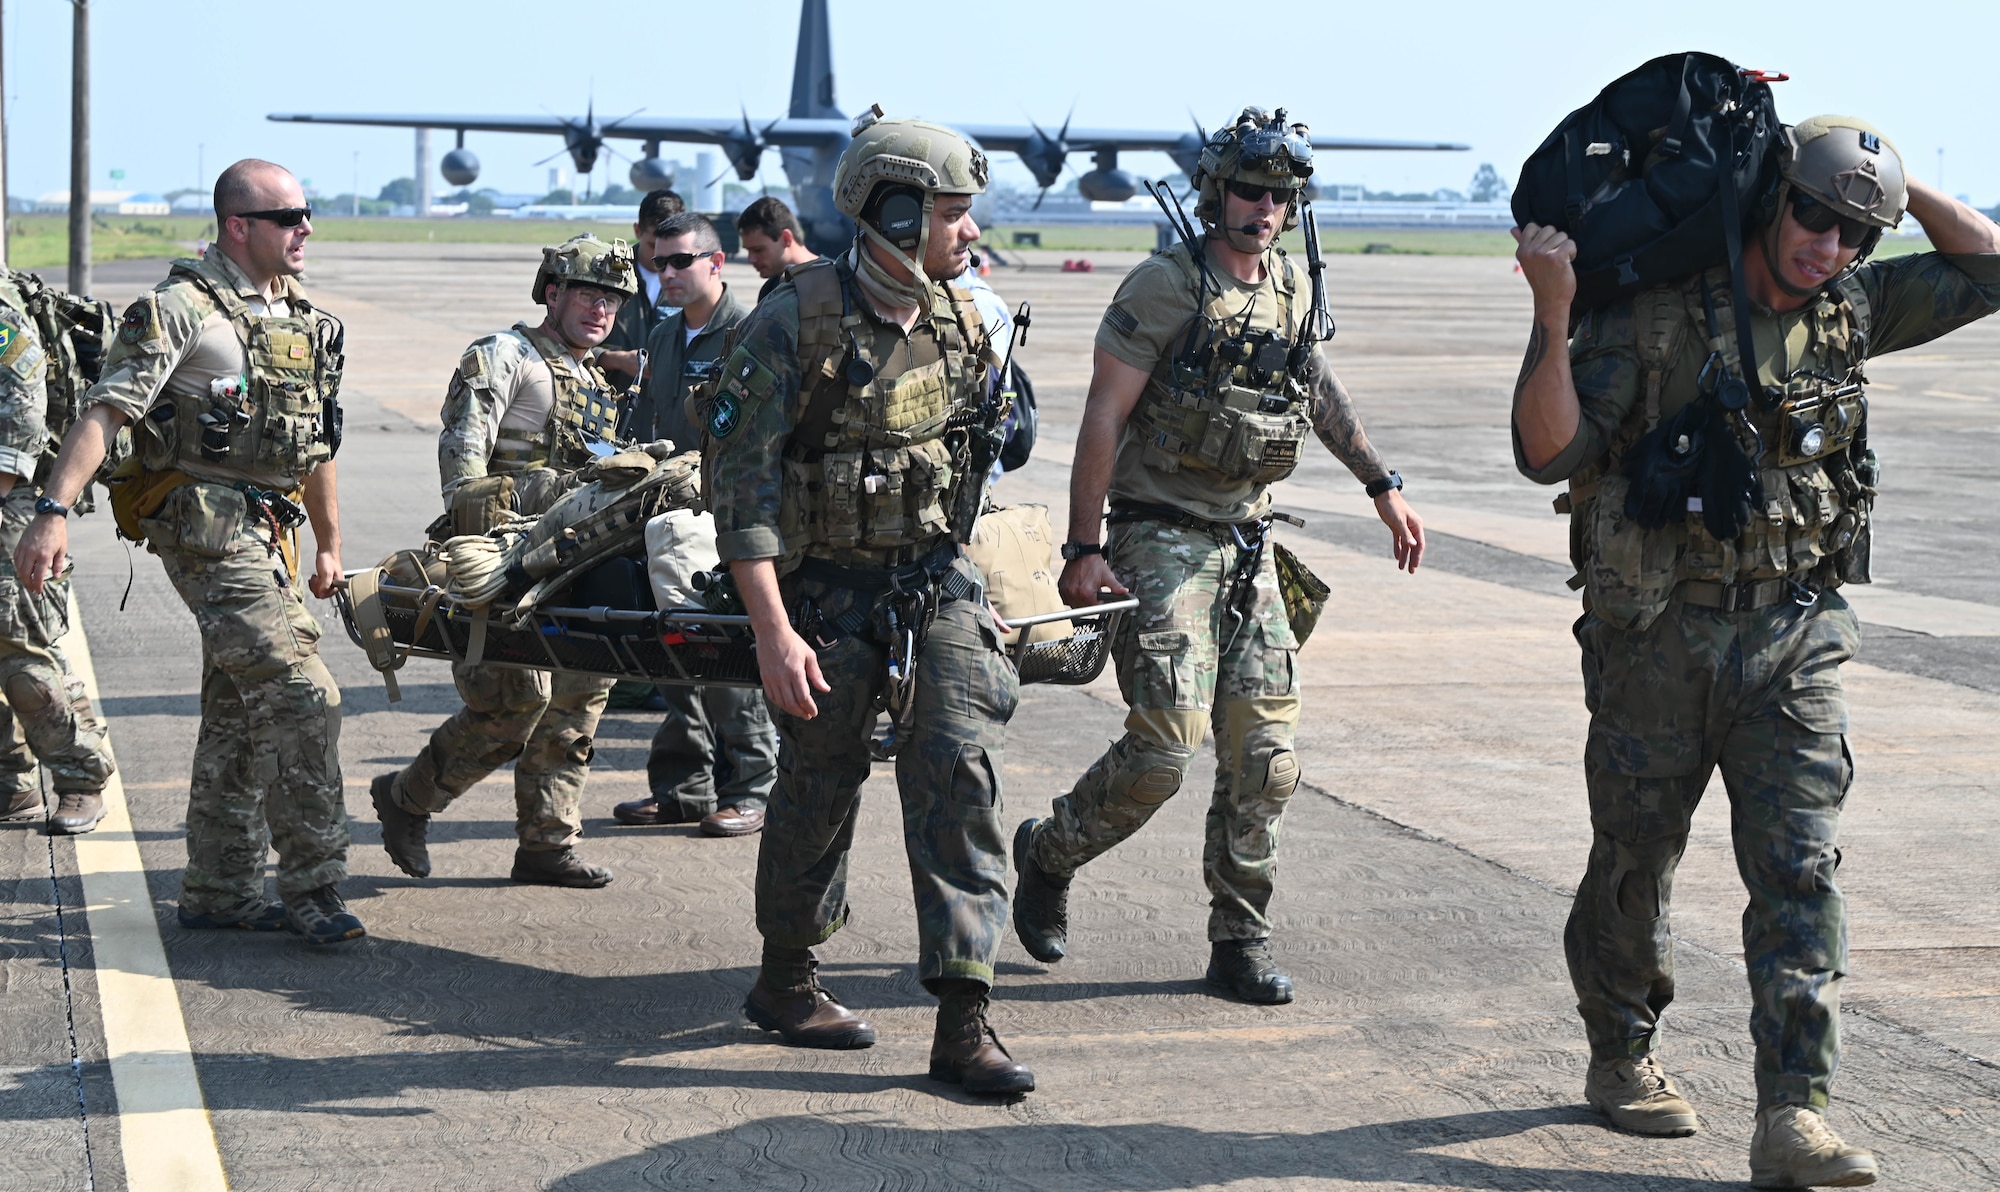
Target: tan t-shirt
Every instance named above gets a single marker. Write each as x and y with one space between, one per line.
1144 327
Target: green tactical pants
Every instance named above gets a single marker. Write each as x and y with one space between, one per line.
702 722
46 719
546 721
267 760
1187 663
1757 694
947 771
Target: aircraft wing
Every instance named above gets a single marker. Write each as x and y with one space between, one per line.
1015 137
695 130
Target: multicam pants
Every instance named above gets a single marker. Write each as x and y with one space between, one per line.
46 714
1757 694
546 721
947 770
704 721
267 760
1188 660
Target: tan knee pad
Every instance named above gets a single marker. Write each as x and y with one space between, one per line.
1149 772
1281 775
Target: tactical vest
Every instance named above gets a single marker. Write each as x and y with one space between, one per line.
1226 400
583 411
270 421
1816 475
873 463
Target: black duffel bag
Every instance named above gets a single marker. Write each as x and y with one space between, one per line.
1636 176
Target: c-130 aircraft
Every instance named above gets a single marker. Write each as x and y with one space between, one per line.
810 139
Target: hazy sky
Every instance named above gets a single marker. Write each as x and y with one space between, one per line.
173 75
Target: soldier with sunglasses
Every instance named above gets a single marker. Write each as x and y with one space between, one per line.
228 375
1713 629
1206 384
526 409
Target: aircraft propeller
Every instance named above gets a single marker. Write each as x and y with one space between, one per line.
1045 155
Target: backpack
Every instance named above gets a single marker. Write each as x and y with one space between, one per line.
74 333
1648 177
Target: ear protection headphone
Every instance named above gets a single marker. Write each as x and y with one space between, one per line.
899 216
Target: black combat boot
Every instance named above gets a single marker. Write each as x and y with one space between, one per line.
1041 904
1245 969
558 867
966 1052
403 832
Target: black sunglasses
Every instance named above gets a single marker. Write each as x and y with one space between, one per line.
679 260
1816 217
1250 192
284 217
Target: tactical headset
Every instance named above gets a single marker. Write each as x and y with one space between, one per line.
898 213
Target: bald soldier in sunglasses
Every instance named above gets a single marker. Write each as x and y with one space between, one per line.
1714 629
1206 383
228 375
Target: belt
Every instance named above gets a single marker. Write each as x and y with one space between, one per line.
1131 511
935 567
1744 598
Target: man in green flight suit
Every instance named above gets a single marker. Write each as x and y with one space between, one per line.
523 413
1713 629
1205 384
832 461
228 375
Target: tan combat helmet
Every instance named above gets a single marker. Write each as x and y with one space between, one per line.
928 158
1260 149
1848 165
587 261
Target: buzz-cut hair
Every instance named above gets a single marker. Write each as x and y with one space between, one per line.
236 188
767 217
688 223
658 205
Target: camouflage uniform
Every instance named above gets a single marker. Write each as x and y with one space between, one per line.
1209 646
1699 653
780 463
267 761
46 714
513 408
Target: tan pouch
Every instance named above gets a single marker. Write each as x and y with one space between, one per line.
1015 549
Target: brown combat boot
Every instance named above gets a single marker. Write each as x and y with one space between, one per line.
1638 1095
23 805
77 812
1795 1148
965 1051
807 1016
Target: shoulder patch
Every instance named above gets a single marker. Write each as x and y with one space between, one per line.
1123 321
141 322
723 415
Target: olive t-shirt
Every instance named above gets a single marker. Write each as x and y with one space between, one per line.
1144 327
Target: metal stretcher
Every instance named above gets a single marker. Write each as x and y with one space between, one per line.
674 647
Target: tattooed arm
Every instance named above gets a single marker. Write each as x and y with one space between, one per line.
1546 410
1339 427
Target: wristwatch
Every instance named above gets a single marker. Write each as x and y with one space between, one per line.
1072 551
1388 483
48 504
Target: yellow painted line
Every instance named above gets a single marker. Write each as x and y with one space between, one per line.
168 1141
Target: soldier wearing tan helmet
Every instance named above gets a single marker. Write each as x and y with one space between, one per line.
832 467
1715 640
1207 382
526 408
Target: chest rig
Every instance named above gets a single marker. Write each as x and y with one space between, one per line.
1229 400
1804 429
878 452
583 411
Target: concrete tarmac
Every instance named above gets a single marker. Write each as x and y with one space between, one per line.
534 1038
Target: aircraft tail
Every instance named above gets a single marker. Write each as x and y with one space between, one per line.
812 70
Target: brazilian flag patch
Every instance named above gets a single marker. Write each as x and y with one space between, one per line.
6 337
723 417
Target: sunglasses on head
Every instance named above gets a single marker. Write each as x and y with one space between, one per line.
1816 217
284 217
679 260
1250 192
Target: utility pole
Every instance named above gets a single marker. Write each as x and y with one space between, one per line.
354 196
79 151
423 179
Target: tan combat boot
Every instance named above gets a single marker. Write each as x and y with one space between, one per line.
1638 1096
1795 1148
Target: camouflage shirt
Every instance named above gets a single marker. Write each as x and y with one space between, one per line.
24 396
173 340
1911 300
502 385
